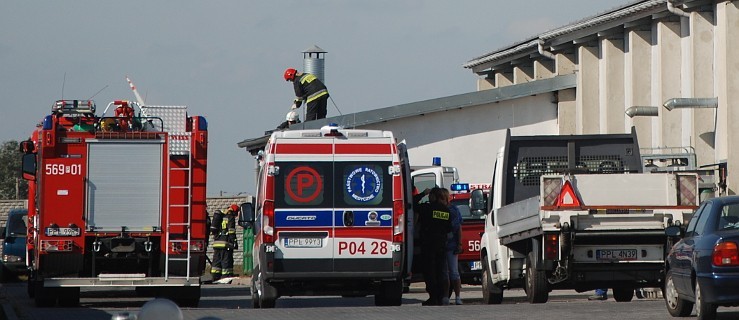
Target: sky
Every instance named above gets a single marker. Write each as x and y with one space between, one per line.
225 59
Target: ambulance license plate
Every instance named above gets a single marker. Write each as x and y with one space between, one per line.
475 265
615 254
303 242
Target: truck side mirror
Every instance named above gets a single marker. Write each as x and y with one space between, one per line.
477 203
28 166
246 218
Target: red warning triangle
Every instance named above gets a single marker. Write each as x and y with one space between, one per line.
567 196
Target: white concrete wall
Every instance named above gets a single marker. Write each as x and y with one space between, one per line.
469 138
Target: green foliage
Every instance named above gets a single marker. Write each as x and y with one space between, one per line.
10 172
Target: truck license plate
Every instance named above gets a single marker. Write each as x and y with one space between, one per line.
475 265
303 242
615 254
62 232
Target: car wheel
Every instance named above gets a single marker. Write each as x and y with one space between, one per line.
623 294
676 306
703 310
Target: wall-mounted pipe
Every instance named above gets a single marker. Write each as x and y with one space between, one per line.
646 111
675 10
543 52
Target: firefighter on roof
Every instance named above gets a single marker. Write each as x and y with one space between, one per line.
309 88
223 229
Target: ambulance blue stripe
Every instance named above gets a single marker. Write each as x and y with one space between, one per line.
362 217
303 218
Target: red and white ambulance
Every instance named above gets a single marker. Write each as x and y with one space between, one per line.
332 216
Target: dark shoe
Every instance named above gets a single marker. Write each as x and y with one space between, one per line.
597 297
430 302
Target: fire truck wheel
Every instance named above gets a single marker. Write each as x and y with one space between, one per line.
30 288
69 297
535 282
490 293
390 293
44 297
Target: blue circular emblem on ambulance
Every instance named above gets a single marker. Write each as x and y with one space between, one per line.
363 184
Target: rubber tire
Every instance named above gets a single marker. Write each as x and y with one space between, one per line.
676 306
489 296
623 294
44 297
703 310
535 282
390 293
268 295
254 294
30 288
69 297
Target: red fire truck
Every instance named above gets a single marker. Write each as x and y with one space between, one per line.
116 201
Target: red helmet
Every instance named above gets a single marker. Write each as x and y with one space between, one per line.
234 208
290 74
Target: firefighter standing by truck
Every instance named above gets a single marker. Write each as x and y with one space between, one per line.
223 229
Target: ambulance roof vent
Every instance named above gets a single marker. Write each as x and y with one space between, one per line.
331 130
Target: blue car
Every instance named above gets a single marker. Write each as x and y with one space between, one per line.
13 262
702 268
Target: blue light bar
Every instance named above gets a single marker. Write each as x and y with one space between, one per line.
460 187
436 161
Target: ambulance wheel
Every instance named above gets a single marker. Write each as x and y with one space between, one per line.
266 295
390 293
491 294
254 294
536 282
69 297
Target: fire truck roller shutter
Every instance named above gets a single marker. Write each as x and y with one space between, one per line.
124 185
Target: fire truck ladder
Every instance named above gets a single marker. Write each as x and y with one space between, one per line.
182 138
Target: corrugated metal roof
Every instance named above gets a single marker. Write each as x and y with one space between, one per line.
628 12
459 101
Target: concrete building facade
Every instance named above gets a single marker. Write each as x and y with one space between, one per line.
644 54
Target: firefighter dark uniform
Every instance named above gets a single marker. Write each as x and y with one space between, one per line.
223 229
310 89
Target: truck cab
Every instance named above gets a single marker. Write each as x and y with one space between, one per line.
14 245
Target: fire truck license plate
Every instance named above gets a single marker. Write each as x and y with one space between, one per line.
63 232
475 265
615 254
303 242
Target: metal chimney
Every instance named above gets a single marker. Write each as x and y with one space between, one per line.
313 62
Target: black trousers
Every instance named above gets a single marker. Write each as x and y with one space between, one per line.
223 263
316 109
434 271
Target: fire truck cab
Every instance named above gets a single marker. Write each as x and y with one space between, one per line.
332 216
116 201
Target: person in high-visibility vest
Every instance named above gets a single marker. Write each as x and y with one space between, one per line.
310 89
223 229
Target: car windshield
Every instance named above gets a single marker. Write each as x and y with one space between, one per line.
17 224
729 217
